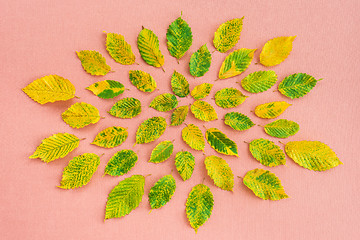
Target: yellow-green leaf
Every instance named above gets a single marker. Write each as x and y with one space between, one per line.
93 62
271 110
267 153
203 111
193 136
119 49
148 44
150 130
259 81
126 108
238 121
142 80
282 128
228 34
220 142
179 85
80 115
162 192
161 152
111 137
236 63
201 91
220 172
185 163
200 61
121 163
107 89
297 85
276 50
229 98
164 102
179 115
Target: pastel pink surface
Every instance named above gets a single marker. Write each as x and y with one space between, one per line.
40 37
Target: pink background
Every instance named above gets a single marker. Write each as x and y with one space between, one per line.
40 37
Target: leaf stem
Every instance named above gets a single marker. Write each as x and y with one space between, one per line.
77 97
162 68
148 175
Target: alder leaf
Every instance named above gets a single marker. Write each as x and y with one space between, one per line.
220 142
143 81
179 115
238 121
161 152
185 163
111 137
228 34
148 44
164 102
125 197
201 91
264 184
79 171
276 50
56 146
297 85
119 49
162 192
229 98
267 153
126 108
121 163
80 115
236 63
200 61
220 172
203 111
193 137
271 110
93 62
281 128
150 130
50 88
199 205
179 85
259 81
107 89
313 155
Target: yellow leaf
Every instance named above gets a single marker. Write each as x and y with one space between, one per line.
228 34
203 111
148 44
80 115
271 110
119 49
236 63
93 62
111 137
276 50
192 135
220 172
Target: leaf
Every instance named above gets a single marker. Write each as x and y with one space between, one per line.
220 172
107 89
236 63
201 91
238 121
150 130
50 88
148 44
193 137
229 98
264 184
142 80
164 102
313 155
281 128
179 38
161 152
119 49
121 163
228 34
162 192
80 115
185 163
179 85
111 137
126 108
125 197
276 50
179 115
93 62
79 171
267 153
259 81
220 142
199 205
297 85
200 61
271 110
203 111
56 146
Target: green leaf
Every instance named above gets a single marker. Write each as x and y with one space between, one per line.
148 44
185 163
111 137
203 111
281 128
119 49
220 172
238 121
80 115
259 81
201 91
106 89
126 108
164 102
125 197
121 163
179 85
228 34
142 80
276 50
264 184
199 205
297 85
200 62
79 171
179 115
229 98
161 152
150 130
193 137
271 110
220 142
313 155
93 62
267 153
56 146
236 63
162 192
